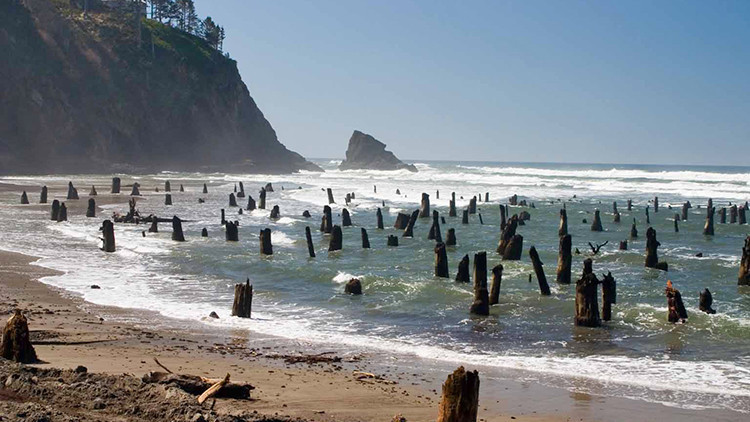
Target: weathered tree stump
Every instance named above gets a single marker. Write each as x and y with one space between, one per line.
136 189
676 309
346 219
223 217
497 279
409 230
392 240
177 234
676 223
241 193
460 398
615 213
205 188
708 228
275 212
232 233
732 214
91 209
43 195
441 261
250 203
685 211
232 200
182 188
648 217
108 236
402 220
93 192
656 204
462 275
623 245
465 217
609 296
326 224
243 300
353 287
565 260
563 230
365 239
269 187
633 231
486 197
481 305
262 199
473 205
204 232
706 300
434 233
513 200
652 259
336 239
379 216
16 344
116 185
452 206
168 199
24 198
539 270
424 207
63 213
587 307
72 192
310 246
510 246
744 277
154 228
451 238
330 196
596 226
722 216
167 186
266 248
306 214
742 215
503 213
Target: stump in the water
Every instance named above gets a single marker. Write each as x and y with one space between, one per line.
177 234
326 224
116 185
409 230
24 198
722 216
462 275
564 260
648 217
182 188
275 212
539 270
365 239
630 204
481 305
265 242
72 192
623 245
633 231
451 238
353 287
473 205
434 233
241 193
167 186
441 261
744 277
16 344
392 240
269 187
336 239
379 216
685 211
452 207
402 220
676 309
232 200
223 217
502 217
706 300
43 195
250 203
676 223
587 307
154 225
108 236
55 210
262 199
424 207
168 199
596 226
136 190
656 204
330 196
310 246
465 217
510 246
232 234
708 228
243 300
497 279
205 188
346 219
732 214
306 214
63 214
513 200
609 296
460 398
652 259
91 209
742 216
563 230
486 197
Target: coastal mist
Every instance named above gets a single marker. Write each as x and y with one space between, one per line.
404 309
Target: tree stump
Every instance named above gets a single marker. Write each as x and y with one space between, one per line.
223 217
473 205
633 231
262 199
205 188
424 207
241 193
565 260
502 217
722 216
250 203
409 230
497 279
452 206
326 224
596 226
609 296
243 300
744 277
154 225
177 234
232 234
204 232
652 259
269 187
510 246
462 276
365 239
465 217
732 214
353 287
513 200
16 345
379 216
43 195
742 216
108 236
481 305
656 204
330 196
336 239
402 220
72 192
136 190
392 240
676 309
563 230
310 246
434 233
486 197
441 261
232 200
587 308
265 242
63 213
451 238
623 245
275 212
91 210
706 300
615 213
676 223
168 199
460 399
115 185
346 219
708 228
24 198
648 217
539 270
167 186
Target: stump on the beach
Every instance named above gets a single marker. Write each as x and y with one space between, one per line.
250 203
424 206
676 309
539 271
232 233
462 275
744 277
434 233
168 199
108 236
705 302
136 191
24 198
633 231
587 308
177 234
609 296
510 246
379 217
441 261
365 239
330 196
275 212
262 199
563 229
460 397
623 245
392 240
353 287
232 200
402 220
63 213
465 216
565 260
652 259
481 305
708 228
43 195
346 219
326 223
336 239
116 185
243 300
596 225
91 209
266 248
72 192
451 238
409 230
497 279
16 344
154 225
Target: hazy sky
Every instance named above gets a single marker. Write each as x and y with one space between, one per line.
568 81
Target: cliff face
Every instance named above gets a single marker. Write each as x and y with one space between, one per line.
84 95
366 152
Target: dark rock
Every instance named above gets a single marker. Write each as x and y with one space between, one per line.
366 152
353 287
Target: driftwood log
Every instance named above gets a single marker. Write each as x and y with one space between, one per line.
706 300
108 236
460 397
497 279
196 385
243 300
310 246
539 271
652 258
177 234
481 305
266 248
16 344
462 276
441 261
337 239
565 260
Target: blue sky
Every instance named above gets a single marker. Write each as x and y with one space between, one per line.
551 81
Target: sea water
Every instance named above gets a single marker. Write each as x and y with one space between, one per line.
407 311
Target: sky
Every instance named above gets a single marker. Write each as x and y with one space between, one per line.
658 82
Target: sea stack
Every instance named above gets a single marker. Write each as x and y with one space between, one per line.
366 152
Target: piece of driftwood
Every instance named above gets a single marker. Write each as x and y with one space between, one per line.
460 397
196 385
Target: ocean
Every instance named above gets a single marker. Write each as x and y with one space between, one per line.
405 311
